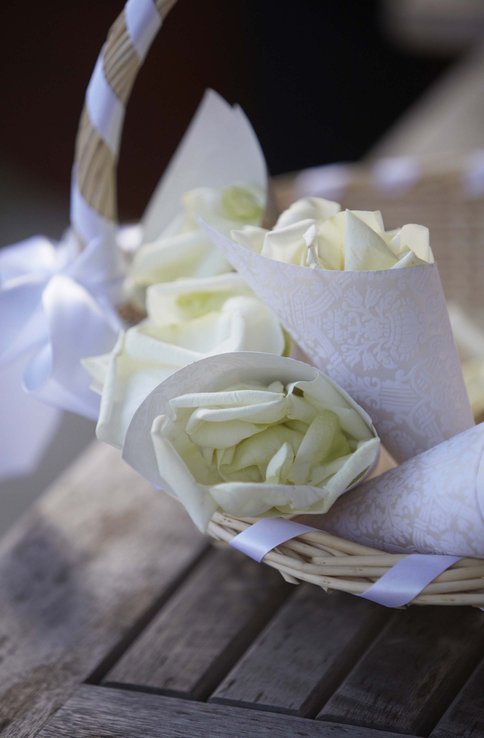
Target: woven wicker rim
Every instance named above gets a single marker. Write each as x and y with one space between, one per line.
334 563
318 558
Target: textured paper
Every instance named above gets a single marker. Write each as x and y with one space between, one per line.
433 503
382 335
219 149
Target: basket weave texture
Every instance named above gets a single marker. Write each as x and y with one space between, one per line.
456 220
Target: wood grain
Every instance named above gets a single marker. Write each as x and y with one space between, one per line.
412 672
304 652
98 712
204 627
465 717
79 572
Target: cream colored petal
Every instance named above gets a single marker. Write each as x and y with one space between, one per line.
407 260
242 204
223 398
280 465
258 449
178 479
253 500
314 208
288 244
325 395
298 408
266 412
185 299
256 499
315 445
365 250
372 218
330 240
321 472
223 435
254 327
183 255
97 367
416 238
127 383
356 465
202 336
227 208
251 237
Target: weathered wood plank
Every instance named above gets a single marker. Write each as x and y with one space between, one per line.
204 628
412 671
76 574
304 653
465 717
111 713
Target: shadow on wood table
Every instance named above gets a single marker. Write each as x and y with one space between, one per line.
118 619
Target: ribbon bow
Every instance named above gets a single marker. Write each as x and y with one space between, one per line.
56 307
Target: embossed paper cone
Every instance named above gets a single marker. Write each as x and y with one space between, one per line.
433 503
382 335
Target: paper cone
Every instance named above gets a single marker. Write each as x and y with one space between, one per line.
382 335
218 149
432 504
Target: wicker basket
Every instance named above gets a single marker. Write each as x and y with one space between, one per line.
318 558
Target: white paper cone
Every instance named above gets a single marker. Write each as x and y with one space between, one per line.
432 504
219 149
382 335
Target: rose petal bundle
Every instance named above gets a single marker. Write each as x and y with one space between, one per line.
251 434
187 320
183 249
366 306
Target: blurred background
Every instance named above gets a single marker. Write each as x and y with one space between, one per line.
321 81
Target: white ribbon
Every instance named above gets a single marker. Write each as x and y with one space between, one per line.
86 221
105 109
398 587
143 23
58 305
27 425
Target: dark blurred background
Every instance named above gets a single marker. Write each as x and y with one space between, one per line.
320 80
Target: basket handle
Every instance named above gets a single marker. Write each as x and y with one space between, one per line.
93 190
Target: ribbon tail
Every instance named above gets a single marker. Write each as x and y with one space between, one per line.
26 425
78 328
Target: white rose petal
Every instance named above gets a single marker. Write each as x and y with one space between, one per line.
308 208
177 302
183 250
187 320
315 232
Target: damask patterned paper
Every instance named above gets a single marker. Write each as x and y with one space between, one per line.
383 335
433 503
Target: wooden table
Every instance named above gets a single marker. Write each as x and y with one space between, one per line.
119 619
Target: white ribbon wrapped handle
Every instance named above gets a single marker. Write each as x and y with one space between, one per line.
93 196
